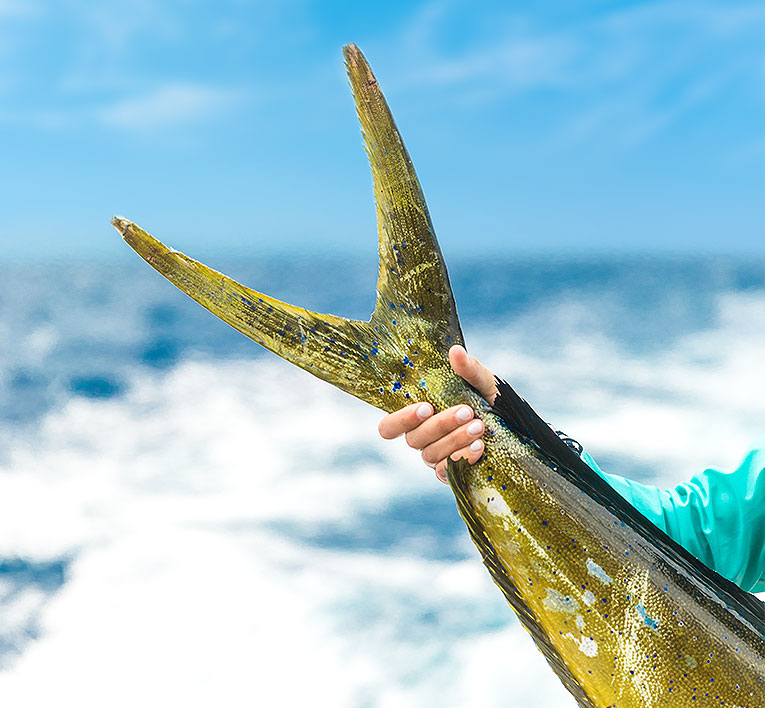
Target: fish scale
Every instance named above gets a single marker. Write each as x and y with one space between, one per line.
625 617
627 621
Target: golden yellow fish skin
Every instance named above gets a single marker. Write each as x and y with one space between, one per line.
632 627
622 614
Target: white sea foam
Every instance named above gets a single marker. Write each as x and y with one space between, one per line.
190 508
699 402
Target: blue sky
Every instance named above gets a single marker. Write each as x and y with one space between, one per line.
228 126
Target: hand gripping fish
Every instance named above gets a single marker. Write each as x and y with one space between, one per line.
625 617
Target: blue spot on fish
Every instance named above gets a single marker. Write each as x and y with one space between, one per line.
652 623
594 569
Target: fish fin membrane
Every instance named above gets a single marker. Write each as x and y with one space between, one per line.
457 472
415 319
521 418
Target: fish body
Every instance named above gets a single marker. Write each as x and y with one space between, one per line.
625 617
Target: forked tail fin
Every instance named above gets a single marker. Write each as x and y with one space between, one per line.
396 357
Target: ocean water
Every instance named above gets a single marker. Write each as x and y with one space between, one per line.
187 520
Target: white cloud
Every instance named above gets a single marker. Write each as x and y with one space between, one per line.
116 22
17 8
168 105
645 66
600 48
163 107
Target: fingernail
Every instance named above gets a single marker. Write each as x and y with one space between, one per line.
475 446
475 427
423 411
464 414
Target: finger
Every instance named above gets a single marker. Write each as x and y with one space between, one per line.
458 439
438 426
404 420
470 453
473 371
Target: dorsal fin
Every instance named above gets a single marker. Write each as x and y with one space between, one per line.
520 417
382 361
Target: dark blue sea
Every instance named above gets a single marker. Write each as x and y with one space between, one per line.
187 520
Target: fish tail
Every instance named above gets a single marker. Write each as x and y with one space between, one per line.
402 351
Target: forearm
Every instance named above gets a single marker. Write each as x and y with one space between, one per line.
718 516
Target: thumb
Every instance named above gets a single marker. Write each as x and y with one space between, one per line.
473 371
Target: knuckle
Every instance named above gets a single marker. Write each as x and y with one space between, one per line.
411 441
458 438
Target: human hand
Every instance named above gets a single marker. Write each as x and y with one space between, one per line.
451 433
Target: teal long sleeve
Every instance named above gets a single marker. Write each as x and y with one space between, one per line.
718 516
